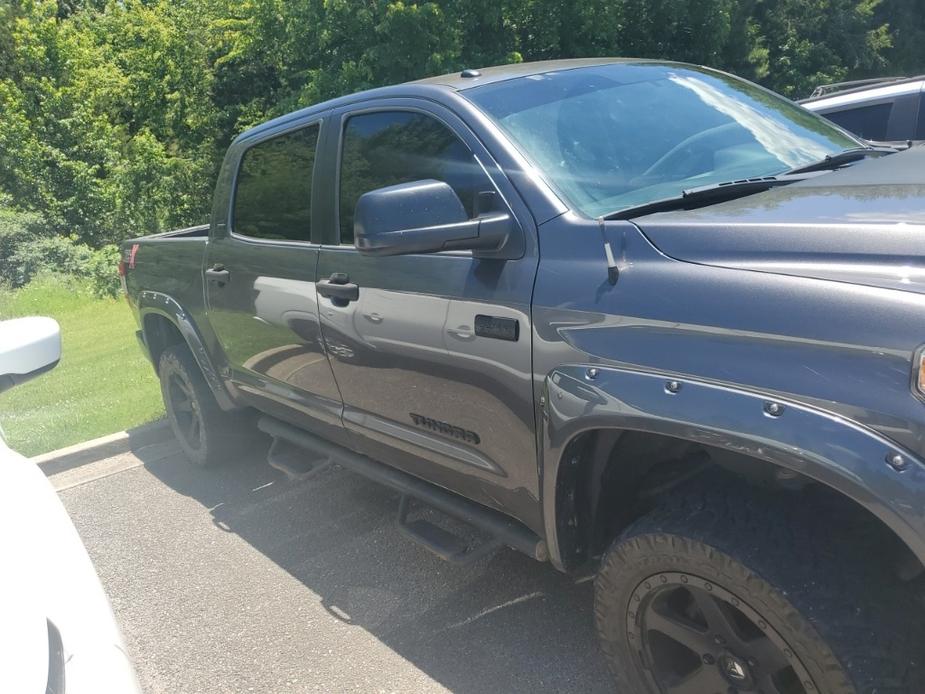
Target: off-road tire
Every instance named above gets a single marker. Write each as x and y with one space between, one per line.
219 433
822 589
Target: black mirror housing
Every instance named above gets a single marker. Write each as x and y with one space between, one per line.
427 217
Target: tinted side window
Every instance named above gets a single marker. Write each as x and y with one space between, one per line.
391 147
273 195
869 122
920 128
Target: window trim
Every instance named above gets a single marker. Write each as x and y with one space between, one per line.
849 98
349 113
318 122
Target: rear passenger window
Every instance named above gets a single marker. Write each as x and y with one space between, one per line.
870 122
391 147
273 195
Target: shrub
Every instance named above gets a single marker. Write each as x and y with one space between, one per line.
103 271
54 255
17 230
28 249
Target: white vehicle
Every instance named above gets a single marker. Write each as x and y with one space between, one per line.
57 634
889 109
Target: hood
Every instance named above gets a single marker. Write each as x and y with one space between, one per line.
863 224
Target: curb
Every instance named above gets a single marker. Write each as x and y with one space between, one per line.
103 447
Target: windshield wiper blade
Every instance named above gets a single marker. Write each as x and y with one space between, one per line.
833 161
705 195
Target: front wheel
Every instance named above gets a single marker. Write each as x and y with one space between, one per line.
731 590
206 433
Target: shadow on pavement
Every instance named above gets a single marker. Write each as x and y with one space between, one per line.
502 624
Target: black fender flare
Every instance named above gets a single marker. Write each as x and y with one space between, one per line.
838 452
151 302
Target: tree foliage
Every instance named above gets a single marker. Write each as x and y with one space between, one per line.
114 114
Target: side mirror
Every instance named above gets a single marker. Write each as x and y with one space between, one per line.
427 217
28 347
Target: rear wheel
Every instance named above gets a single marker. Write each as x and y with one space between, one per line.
731 590
206 433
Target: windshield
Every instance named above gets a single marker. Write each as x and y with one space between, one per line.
611 137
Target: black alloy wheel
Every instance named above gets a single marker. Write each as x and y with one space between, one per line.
695 636
726 587
206 433
185 410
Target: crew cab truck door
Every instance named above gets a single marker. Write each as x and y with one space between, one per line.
427 387
260 280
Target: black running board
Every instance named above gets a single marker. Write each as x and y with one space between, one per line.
505 529
292 461
440 541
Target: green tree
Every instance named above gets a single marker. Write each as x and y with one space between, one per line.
114 114
906 20
809 42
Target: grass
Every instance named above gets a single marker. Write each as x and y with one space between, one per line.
103 382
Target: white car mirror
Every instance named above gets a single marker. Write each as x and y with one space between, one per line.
28 347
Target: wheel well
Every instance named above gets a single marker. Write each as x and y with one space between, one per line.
609 477
160 333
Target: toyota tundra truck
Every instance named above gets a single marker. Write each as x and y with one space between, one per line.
637 319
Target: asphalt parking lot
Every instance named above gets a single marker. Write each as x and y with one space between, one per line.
239 580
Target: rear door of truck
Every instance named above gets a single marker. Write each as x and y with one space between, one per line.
260 278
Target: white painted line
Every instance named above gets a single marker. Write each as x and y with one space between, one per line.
340 614
262 486
488 611
117 438
121 442
92 472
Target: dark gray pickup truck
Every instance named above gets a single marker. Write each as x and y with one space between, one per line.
636 318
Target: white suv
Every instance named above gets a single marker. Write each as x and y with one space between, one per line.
888 109
58 634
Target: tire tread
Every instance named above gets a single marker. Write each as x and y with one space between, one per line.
821 578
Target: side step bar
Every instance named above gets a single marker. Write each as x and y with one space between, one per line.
292 461
439 541
505 529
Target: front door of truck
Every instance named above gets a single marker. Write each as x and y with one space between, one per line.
260 278
425 387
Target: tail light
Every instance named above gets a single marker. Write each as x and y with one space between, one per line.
126 263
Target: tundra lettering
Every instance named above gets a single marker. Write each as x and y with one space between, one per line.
444 428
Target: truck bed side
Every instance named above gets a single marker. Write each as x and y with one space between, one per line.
164 286
170 263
